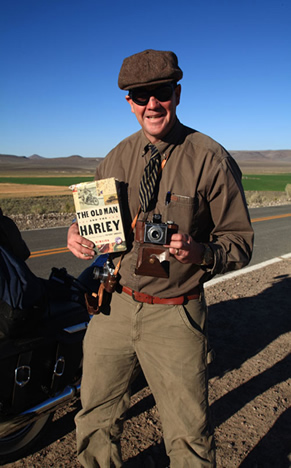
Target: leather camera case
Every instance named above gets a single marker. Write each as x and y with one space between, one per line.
153 261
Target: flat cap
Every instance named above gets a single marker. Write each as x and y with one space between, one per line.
149 67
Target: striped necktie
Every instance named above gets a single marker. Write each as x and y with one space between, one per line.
149 179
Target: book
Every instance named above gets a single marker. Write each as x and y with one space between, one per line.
99 215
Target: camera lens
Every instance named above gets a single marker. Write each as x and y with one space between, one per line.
100 273
155 234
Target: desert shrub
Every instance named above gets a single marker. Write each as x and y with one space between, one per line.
255 198
37 205
69 207
38 208
288 190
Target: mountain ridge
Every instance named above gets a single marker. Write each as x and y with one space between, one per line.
279 160
237 154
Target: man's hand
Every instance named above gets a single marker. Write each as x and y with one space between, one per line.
78 245
186 249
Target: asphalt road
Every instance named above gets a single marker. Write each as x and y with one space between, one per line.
272 226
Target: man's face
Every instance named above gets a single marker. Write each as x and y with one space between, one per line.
156 117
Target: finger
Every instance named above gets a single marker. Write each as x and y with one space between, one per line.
87 256
176 237
176 251
80 247
74 240
82 253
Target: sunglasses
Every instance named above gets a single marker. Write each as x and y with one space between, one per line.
141 96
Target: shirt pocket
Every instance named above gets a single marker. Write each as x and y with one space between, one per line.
181 210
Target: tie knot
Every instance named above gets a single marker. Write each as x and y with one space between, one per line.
154 150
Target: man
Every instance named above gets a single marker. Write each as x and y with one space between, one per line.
158 320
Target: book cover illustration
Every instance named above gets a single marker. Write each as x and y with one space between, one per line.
99 215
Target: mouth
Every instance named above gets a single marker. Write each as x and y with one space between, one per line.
153 117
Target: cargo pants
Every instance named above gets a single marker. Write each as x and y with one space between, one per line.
169 342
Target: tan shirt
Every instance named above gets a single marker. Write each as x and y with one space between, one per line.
207 202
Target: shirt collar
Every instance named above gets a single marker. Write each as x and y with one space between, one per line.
168 143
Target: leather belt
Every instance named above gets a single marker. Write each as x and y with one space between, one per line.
142 297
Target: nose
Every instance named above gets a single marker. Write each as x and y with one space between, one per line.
153 102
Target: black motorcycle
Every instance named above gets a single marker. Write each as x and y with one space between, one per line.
40 354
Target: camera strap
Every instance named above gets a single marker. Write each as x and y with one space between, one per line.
134 221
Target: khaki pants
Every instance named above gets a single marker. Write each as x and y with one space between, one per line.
170 345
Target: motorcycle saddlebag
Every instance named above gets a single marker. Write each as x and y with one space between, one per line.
45 359
26 370
36 367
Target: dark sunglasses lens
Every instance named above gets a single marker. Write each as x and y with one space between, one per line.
164 93
142 96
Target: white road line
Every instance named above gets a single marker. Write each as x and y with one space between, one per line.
246 270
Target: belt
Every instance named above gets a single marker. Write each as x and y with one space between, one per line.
142 297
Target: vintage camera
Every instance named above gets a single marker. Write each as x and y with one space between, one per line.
153 258
159 233
106 275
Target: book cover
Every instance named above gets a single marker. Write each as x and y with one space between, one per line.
99 214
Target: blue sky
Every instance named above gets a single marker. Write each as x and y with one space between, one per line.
60 59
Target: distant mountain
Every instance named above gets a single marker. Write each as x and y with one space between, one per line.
29 165
35 156
270 155
12 158
78 164
284 155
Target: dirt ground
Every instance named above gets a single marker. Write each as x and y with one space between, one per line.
249 386
13 190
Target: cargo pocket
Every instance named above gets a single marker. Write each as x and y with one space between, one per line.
194 316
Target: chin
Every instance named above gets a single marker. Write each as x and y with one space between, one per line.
156 133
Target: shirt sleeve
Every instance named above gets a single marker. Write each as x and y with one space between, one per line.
231 237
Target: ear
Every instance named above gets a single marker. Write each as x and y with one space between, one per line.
129 100
178 94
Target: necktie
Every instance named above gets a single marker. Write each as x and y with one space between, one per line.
149 179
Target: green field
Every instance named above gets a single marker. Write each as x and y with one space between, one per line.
57 181
257 182
266 182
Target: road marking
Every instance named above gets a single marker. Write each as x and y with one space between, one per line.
267 218
246 270
43 253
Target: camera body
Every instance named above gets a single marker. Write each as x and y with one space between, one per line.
153 258
106 275
159 233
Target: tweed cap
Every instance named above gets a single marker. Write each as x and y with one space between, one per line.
147 68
